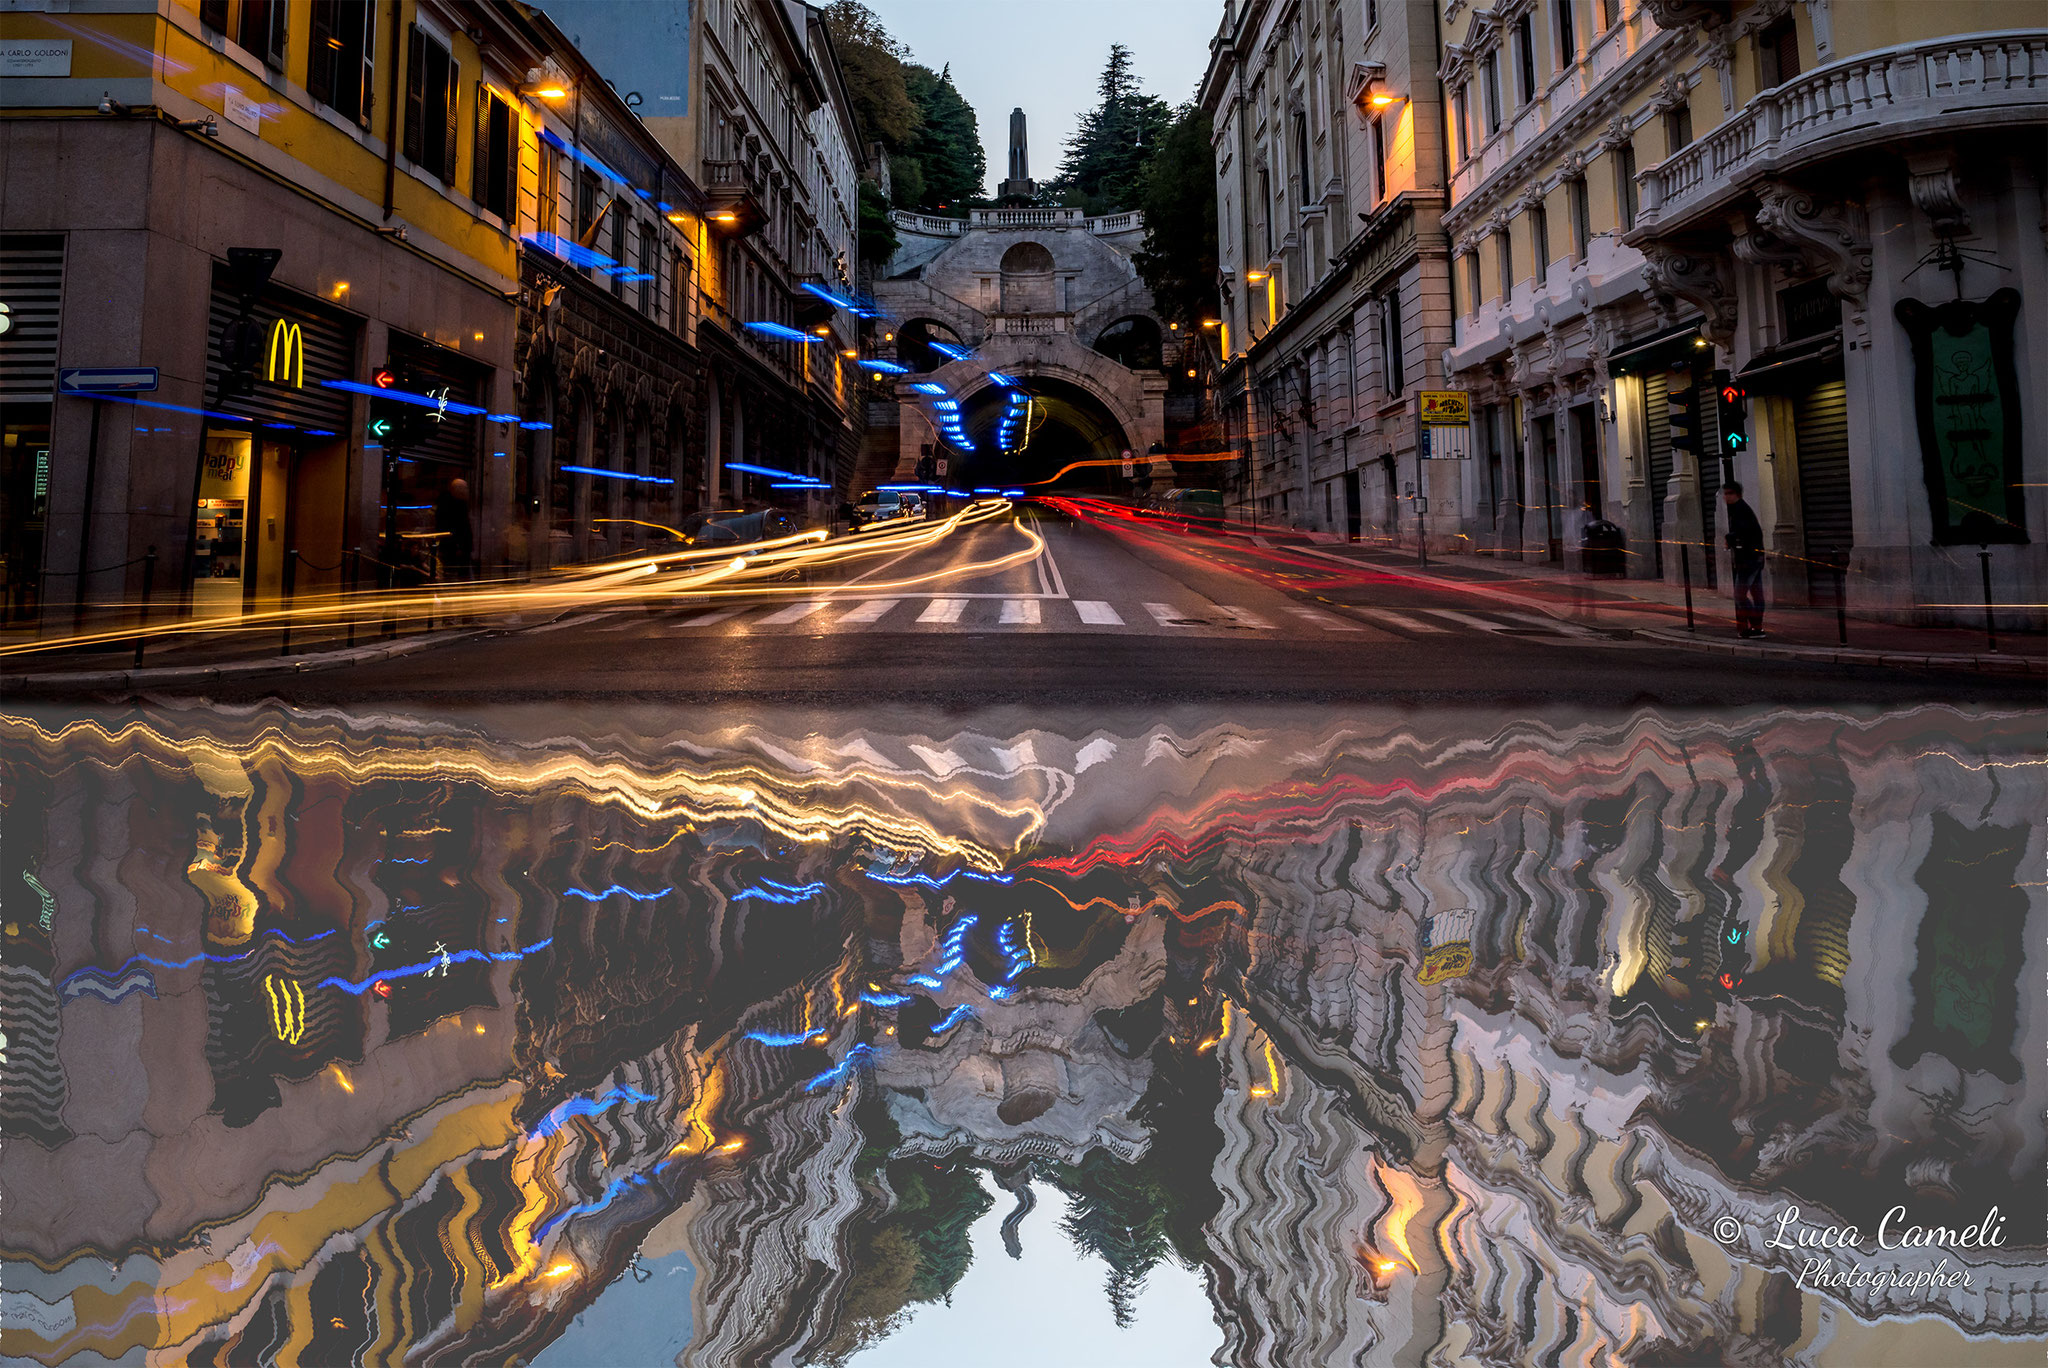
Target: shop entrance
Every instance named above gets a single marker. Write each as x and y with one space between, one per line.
240 527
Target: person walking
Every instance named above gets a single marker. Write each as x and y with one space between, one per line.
457 538
1745 542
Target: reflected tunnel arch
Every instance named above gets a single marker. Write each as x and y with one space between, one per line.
1062 423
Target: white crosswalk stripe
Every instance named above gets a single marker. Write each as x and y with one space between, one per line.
1246 618
715 615
1097 614
1325 621
1401 621
796 612
1166 615
1020 611
1547 623
942 610
1452 614
868 612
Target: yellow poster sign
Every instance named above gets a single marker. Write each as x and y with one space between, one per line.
1446 408
288 344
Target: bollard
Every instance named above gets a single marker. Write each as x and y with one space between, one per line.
1685 573
148 583
291 578
1990 628
1841 564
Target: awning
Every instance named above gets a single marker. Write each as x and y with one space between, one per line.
1774 363
1667 345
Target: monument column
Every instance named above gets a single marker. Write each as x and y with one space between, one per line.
1018 186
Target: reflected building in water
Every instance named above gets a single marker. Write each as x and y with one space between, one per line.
337 1039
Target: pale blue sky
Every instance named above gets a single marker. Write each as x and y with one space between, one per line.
1045 55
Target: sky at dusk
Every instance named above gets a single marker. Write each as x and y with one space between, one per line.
1046 55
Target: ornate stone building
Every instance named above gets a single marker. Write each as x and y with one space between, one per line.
1651 202
1335 298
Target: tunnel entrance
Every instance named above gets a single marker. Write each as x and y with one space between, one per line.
1036 430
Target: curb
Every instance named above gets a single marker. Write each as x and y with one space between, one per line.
1831 655
176 675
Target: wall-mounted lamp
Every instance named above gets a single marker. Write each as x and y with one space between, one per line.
205 127
396 234
725 216
110 105
1212 322
1254 276
546 90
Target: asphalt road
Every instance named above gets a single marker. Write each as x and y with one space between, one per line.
1110 612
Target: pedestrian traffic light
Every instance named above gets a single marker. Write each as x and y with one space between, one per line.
241 351
1682 411
1734 413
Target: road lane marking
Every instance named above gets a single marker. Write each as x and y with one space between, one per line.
1401 620
942 610
1483 624
1097 614
871 611
1023 611
796 612
716 615
1325 620
1166 615
1246 617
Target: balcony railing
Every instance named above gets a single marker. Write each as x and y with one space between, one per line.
1015 324
932 225
928 223
1951 83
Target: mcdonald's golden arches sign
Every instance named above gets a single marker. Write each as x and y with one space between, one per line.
287 345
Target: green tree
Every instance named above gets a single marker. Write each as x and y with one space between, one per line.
873 65
1177 191
1106 157
878 241
947 145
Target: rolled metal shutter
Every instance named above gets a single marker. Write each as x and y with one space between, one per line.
1656 392
1821 427
453 440
31 288
330 354
1709 400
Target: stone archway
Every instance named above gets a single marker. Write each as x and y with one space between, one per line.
1027 280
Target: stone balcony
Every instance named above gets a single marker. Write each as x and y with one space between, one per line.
1018 324
1058 219
1950 85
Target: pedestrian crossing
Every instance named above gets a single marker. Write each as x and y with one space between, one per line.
997 613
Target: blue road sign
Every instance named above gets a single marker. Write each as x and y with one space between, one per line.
91 380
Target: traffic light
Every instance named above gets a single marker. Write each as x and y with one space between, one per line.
1734 414
1682 411
394 423
241 351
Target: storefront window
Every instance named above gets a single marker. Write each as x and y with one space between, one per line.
24 496
218 540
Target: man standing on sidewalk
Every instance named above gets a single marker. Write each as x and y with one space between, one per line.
1745 542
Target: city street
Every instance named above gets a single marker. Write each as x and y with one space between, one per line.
1112 609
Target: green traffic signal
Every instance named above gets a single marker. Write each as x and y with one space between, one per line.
380 427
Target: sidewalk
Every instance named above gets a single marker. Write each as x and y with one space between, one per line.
1653 610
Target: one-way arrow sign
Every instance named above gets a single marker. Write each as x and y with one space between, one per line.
92 380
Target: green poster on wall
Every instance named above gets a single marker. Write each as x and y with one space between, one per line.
1968 401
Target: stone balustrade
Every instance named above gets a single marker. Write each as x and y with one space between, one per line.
1965 80
1016 324
1027 217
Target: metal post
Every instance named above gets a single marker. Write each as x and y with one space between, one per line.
148 583
291 579
92 469
1421 493
1685 573
355 569
1841 563
1990 629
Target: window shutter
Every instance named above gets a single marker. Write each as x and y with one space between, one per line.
319 56
366 72
415 94
448 128
481 159
214 14
274 46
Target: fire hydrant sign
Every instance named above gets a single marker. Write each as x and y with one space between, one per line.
1446 408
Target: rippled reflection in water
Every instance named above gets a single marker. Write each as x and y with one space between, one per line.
351 1039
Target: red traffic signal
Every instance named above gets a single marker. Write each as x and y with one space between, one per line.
384 378
1733 394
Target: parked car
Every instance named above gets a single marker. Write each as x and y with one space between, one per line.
913 506
735 527
1193 509
878 506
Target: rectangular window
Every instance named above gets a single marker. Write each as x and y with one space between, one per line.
547 188
430 105
1390 343
1777 49
1461 128
1525 56
1301 162
1539 235
1489 71
1567 36
261 30
1472 285
650 270
1677 128
1379 156
1372 15
586 203
1625 183
340 57
1266 209
1505 245
620 217
1610 14
1582 217
679 279
494 171
214 14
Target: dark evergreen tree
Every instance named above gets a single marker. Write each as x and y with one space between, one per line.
1106 156
872 63
1177 191
947 145
878 241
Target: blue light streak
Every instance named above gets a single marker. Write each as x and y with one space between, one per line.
205 957
948 350
787 334
611 1194
887 999
1001 379
885 367
841 1069
615 474
360 986
787 894
927 387
405 397
782 1042
587 1106
745 469
588 896
952 1019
